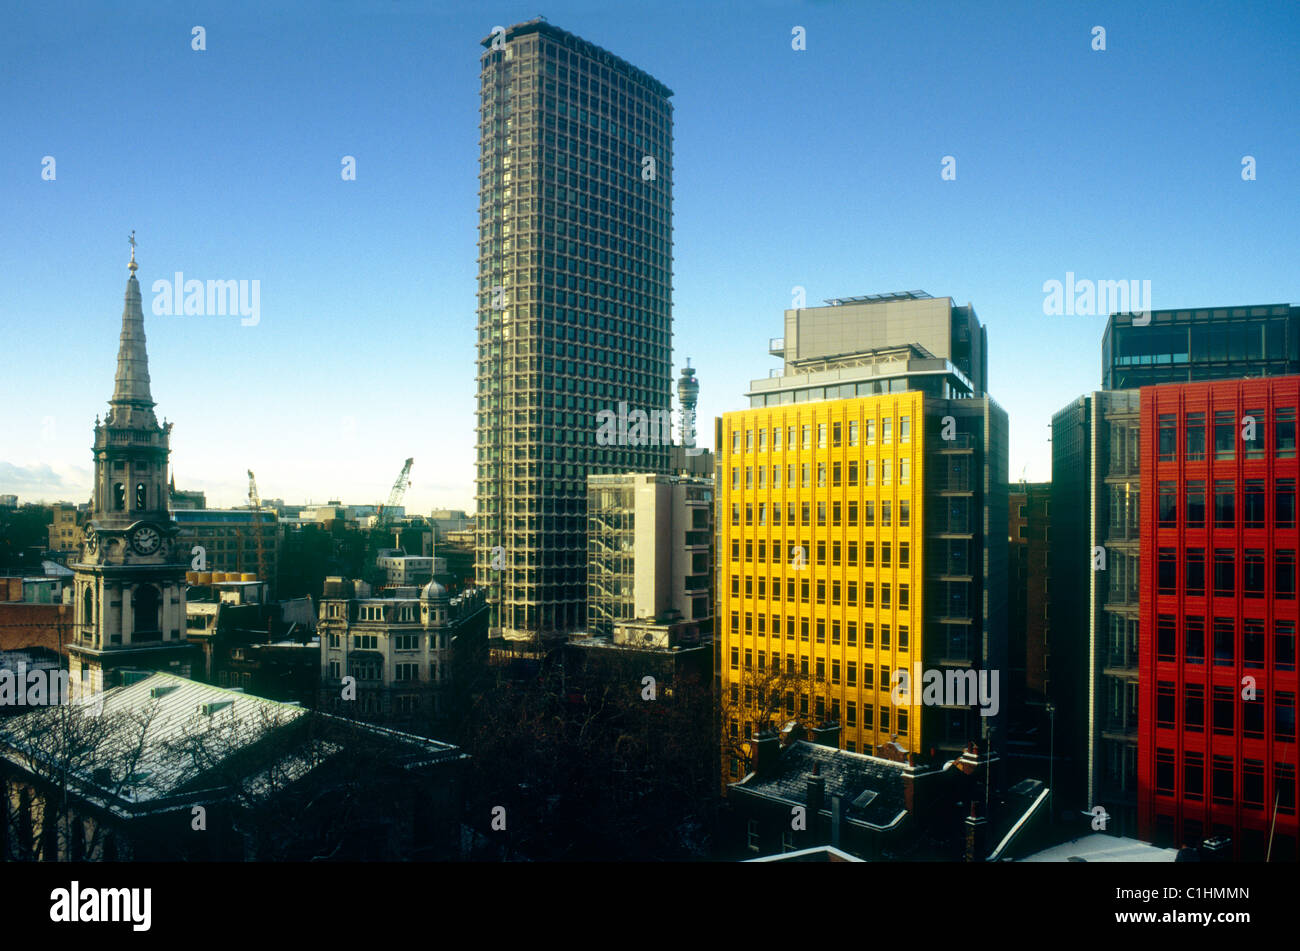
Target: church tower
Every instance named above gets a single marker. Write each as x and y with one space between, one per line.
130 582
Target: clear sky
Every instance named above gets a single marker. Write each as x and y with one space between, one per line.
817 168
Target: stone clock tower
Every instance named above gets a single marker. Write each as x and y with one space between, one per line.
130 582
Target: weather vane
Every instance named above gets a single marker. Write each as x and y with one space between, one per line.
132 265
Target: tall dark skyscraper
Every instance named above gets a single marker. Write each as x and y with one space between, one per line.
574 307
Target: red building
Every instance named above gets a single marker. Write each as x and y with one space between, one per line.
1217 666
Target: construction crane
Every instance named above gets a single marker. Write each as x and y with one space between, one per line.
395 497
255 503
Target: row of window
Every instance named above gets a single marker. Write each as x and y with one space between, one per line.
851 632
1254 573
1254 509
837 432
1223 787
1252 646
849 590
867 509
837 471
1252 428
1224 701
803 551
850 671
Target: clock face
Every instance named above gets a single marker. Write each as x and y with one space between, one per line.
146 539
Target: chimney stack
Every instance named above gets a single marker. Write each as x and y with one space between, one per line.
816 793
977 831
767 748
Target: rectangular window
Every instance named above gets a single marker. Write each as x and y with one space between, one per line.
1195 437
1224 503
1223 791
1253 573
1194 708
1253 515
1284 645
1284 717
1254 445
1193 776
1196 504
1167 574
1284 502
1284 574
1168 438
1194 640
1166 638
1225 638
1168 511
1225 434
1165 704
853 432
1254 642
1284 432
1196 572
1224 711
1224 572
1165 772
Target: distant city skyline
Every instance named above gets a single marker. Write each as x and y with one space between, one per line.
817 170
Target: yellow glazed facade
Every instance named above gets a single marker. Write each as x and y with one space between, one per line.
821 564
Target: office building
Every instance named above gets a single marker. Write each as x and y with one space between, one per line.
238 540
1094 552
574 307
650 546
861 533
1217 685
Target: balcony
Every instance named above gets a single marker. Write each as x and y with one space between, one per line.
776 346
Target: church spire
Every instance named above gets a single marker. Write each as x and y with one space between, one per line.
132 402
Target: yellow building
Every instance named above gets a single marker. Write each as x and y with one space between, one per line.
65 534
820 567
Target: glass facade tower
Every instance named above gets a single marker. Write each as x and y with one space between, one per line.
574 307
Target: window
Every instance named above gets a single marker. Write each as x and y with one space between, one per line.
119 496
821 435
1284 574
853 432
751 835
1223 791
1165 702
1284 645
1194 708
1195 437
1196 504
1284 502
1168 510
140 496
1224 504
904 513
1168 438
1284 432
1253 504
1168 571
1224 572
1253 573
904 555
1194 640
1165 772
1193 775
1166 638
886 431
1225 433
1195 572
904 429
1225 637
1224 710
1284 717
1254 446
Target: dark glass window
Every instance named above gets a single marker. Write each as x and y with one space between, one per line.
1255 445
1253 573
1165 772
1225 636
1253 515
1168 504
1252 718
1224 711
1196 572
1168 571
1284 717
1193 775
1284 645
1253 642
1194 640
1194 708
1284 432
1224 503
1166 637
1224 572
1196 504
1225 434
1195 437
1223 778
1165 703
1284 574
1284 502
1168 438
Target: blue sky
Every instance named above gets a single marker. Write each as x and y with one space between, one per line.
817 168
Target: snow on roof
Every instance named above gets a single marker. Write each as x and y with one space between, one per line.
1103 848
